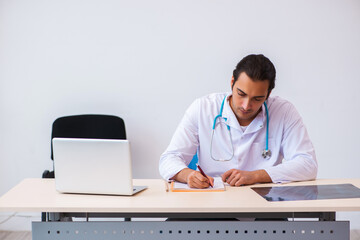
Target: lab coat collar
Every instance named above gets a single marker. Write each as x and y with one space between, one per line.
256 124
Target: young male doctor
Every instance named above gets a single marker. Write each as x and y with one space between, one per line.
245 136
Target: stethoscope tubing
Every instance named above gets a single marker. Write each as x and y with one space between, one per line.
267 127
266 153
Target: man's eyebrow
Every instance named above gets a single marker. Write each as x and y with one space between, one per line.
246 93
241 91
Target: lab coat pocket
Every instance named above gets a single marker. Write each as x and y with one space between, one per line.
256 154
221 143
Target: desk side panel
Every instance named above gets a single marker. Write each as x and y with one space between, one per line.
209 230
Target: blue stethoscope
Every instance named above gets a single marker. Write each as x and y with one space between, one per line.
266 152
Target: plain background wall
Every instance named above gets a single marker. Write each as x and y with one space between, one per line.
146 61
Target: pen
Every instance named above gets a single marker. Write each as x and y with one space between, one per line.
202 173
166 185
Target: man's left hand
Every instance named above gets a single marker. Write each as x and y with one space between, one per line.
236 177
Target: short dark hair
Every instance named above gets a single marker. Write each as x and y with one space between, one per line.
258 68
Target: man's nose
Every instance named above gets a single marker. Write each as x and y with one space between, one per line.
246 104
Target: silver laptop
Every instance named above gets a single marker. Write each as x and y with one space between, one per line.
95 166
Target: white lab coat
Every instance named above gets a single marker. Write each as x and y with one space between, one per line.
293 156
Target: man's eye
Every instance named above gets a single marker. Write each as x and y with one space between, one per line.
241 94
258 99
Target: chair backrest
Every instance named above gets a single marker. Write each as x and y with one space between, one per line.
88 126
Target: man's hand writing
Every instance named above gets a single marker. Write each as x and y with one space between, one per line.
193 178
197 180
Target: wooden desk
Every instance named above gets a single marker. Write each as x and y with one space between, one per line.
39 195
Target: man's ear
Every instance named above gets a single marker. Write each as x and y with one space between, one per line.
232 82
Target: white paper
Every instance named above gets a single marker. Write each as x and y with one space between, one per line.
218 184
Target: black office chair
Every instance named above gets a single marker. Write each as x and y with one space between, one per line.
85 126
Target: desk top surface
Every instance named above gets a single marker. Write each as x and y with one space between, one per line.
39 195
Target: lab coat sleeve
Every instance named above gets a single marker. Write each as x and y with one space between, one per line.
299 163
183 145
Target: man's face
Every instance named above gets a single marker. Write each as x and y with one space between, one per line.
247 98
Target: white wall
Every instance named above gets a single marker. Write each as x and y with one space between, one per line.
146 61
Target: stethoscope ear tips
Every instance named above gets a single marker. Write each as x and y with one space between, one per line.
266 153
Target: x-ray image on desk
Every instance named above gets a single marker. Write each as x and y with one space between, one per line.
309 192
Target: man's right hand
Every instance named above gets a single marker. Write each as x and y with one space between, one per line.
193 178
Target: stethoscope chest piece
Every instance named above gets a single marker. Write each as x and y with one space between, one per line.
266 153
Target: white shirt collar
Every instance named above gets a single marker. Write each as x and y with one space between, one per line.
256 124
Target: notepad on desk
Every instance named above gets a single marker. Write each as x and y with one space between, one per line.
183 187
